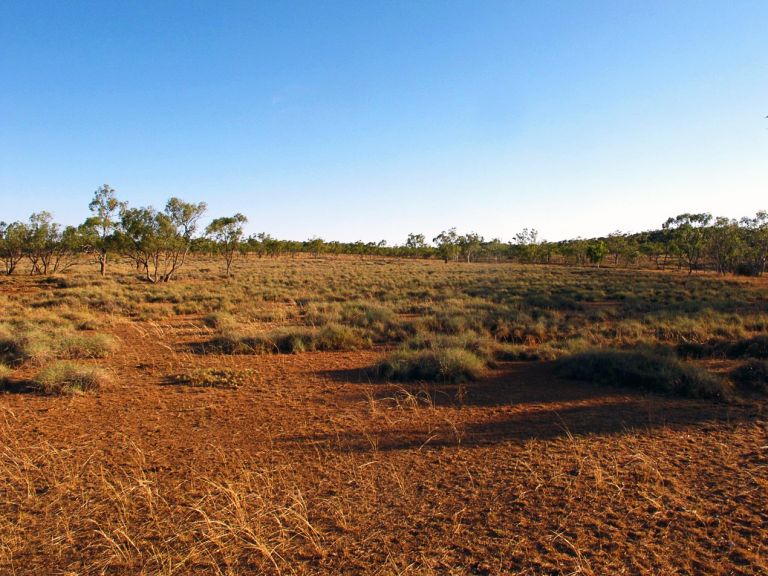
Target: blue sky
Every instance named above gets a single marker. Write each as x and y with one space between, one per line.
369 120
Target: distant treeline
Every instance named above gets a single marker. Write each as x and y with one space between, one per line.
158 242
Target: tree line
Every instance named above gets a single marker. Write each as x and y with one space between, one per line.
158 242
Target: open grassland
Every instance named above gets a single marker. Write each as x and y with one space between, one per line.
371 416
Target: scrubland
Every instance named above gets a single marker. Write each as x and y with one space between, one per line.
382 416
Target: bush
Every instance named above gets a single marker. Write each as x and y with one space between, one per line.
752 376
214 378
337 337
643 369
291 340
5 375
70 378
86 346
18 344
756 347
453 365
219 321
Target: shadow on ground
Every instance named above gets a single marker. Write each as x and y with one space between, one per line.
519 402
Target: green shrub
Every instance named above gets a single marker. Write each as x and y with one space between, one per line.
452 365
752 376
643 369
70 378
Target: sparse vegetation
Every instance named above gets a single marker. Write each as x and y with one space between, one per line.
326 364
63 377
752 376
214 378
451 365
645 370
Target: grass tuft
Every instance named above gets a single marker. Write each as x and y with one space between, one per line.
645 370
451 365
65 377
214 378
752 377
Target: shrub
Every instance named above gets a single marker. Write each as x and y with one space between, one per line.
5 375
86 346
756 347
752 376
219 320
19 344
214 378
70 378
291 340
643 369
337 337
453 365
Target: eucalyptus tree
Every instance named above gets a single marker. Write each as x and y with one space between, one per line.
447 243
315 246
158 242
470 244
100 228
416 244
42 242
726 244
755 232
526 244
13 242
596 251
616 243
227 233
689 237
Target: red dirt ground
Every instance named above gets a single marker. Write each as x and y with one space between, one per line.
527 474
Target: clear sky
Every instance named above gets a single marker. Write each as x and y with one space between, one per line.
368 120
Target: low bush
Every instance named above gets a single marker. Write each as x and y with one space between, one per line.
644 369
5 375
451 365
752 377
20 344
214 378
85 346
69 378
756 347
293 340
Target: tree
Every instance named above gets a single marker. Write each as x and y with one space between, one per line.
725 244
596 252
470 244
416 244
616 245
13 241
494 248
527 244
756 241
689 237
227 232
42 237
101 227
447 243
315 246
158 242
178 225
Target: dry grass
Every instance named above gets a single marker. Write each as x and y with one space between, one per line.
65 377
478 461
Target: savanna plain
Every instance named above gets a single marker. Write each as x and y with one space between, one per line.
338 415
